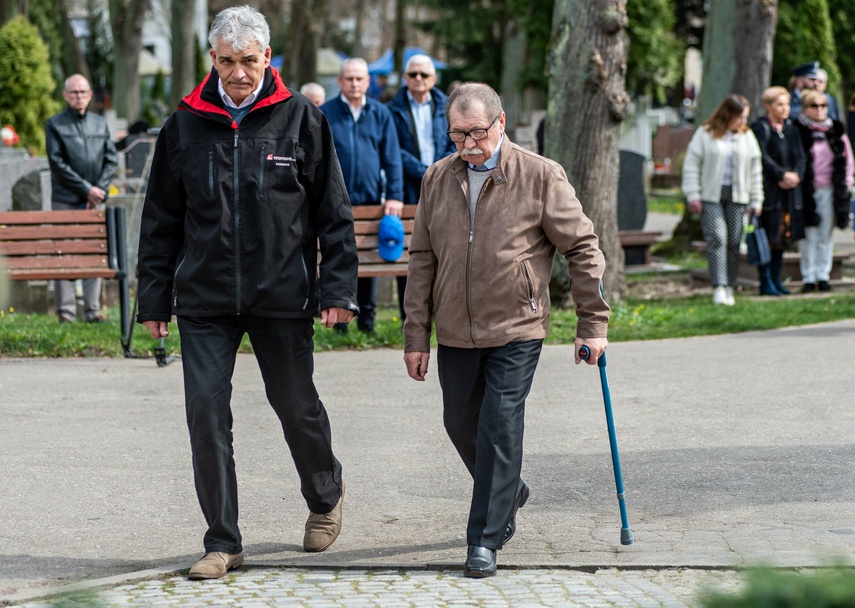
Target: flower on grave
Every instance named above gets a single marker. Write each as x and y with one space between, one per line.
8 136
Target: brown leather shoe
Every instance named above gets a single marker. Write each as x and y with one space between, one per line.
323 529
215 565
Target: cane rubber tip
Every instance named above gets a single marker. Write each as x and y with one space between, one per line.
626 536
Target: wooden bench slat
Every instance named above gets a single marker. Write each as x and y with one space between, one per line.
367 241
74 216
51 274
382 270
61 231
372 257
56 261
52 247
372 226
375 212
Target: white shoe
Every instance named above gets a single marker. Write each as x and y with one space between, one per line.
719 295
729 300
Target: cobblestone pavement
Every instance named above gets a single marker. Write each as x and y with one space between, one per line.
311 588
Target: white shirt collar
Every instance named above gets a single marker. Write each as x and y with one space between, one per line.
230 102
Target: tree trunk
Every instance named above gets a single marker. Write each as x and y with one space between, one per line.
126 20
737 53
755 33
400 37
587 103
74 60
183 49
719 56
513 60
359 8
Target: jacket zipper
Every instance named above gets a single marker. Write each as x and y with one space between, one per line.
236 186
211 173
261 175
305 278
530 288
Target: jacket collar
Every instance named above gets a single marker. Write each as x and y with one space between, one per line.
205 98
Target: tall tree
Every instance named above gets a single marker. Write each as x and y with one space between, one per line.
184 43
126 20
587 103
737 52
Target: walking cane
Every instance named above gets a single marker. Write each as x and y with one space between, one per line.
625 533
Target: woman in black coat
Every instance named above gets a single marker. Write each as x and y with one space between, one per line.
783 170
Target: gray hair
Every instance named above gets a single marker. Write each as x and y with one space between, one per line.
68 80
470 93
240 26
420 59
358 61
312 87
821 75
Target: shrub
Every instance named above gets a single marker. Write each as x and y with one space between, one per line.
26 95
822 588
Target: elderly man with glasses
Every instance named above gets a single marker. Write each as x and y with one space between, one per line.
489 221
83 160
419 113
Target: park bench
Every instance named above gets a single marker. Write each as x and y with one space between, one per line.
68 245
636 246
366 222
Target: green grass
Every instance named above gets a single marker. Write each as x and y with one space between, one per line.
39 335
661 204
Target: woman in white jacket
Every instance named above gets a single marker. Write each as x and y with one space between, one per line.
723 180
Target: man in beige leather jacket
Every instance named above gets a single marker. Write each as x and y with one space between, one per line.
489 222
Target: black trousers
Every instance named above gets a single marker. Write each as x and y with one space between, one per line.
366 297
284 350
483 397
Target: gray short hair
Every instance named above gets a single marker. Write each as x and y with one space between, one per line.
240 26
463 97
359 61
419 59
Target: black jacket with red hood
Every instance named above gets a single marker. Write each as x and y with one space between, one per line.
234 215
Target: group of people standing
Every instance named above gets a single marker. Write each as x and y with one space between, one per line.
794 170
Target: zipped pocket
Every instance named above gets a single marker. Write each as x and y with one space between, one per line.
261 173
530 286
211 173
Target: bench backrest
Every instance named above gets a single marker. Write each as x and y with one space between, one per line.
366 222
56 244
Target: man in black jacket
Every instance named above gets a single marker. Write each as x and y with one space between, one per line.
82 159
244 189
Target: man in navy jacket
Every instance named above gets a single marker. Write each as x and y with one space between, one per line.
367 147
419 113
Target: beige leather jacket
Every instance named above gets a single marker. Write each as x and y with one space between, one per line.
491 287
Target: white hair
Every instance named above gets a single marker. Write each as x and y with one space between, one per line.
418 60
353 61
240 26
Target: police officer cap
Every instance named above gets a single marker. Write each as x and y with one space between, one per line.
808 70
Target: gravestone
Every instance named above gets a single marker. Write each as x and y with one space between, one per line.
632 202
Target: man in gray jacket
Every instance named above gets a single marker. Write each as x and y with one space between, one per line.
489 221
82 160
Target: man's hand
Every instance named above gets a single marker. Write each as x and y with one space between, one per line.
695 206
331 316
393 207
157 329
95 197
596 345
417 365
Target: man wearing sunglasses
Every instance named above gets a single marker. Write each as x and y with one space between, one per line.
419 112
489 221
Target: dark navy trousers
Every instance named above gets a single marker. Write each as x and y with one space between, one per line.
483 395
284 351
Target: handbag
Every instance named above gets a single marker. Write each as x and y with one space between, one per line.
759 253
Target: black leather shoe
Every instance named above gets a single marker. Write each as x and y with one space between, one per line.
480 562
808 287
519 503
823 286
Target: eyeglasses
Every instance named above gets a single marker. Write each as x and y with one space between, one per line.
475 134
423 75
817 106
78 92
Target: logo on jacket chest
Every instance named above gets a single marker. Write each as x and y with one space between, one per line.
280 161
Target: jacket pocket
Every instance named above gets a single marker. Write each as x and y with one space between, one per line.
529 285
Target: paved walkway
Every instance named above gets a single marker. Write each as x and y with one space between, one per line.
736 449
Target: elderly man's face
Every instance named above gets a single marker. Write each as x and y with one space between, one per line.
240 71
420 79
475 118
353 82
78 94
